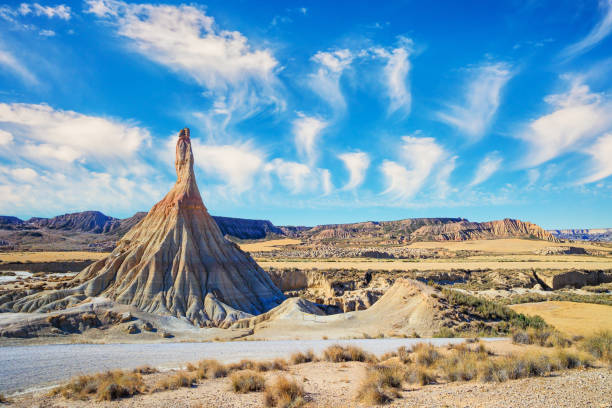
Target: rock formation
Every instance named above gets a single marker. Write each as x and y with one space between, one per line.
174 262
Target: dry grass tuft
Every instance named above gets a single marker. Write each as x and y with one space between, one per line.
420 375
181 379
284 393
4 400
145 370
106 386
277 364
599 345
545 337
301 358
425 354
339 354
208 369
247 381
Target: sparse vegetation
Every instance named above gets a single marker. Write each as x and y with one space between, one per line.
599 345
301 358
339 354
180 379
246 381
208 369
106 386
545 337
284 393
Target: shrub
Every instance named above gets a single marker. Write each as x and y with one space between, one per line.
277 364
176 381
301 358
242 365
563 359
106 386
247 381
145 370
284 393
425 354
376 388
545 337
420 375
390 375
210 369
599 345
339 354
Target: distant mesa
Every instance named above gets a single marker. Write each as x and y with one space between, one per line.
175 261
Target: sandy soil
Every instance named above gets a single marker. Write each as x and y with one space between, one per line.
571 317
335 385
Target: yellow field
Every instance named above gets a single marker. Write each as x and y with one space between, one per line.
446 265
265 246
504 246
570 317
50 256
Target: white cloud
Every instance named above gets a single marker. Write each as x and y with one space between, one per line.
326 80
418 156
326 183
6 138
54 161
396 73
46 33
486 168
62 11
481 100
236 165
357 164
7 60
442 182
578 116
74 136
186 40
24 174
597 34
601 153
295 177
307 130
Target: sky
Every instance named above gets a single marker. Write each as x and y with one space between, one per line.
311 112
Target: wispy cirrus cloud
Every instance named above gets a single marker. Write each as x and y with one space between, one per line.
417 159
577 117
486 168
601 159
601 30
12 64
307 131
396 74
325 81
357 163
481 100
240 78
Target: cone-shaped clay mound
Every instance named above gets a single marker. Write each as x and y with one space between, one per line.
174 262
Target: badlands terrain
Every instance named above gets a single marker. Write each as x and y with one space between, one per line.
193 310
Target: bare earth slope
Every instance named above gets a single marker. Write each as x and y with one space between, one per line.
174 262
408 306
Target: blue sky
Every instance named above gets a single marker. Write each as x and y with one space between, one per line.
311 112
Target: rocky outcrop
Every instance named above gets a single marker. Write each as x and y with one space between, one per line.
561 250
585 234
87 221
573 279
247 229
174 262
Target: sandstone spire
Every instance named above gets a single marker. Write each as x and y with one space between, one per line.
174 262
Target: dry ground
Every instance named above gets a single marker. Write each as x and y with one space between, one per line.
266 246
570 317
503 246
445 265
51 256
335 385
